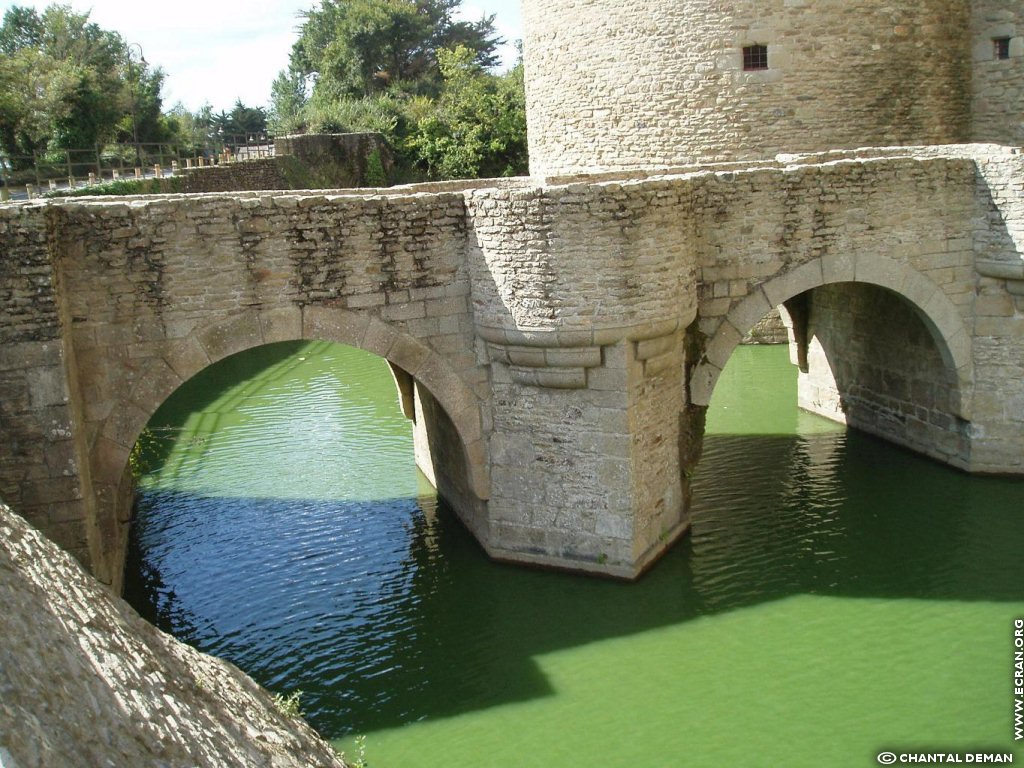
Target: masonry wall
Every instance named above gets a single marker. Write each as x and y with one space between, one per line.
768 235
997 84
159 288
998 331
309 161
580 293
615 85
42 471
259 173
86 681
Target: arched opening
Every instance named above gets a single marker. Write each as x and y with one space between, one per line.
464 477
886 353
281 515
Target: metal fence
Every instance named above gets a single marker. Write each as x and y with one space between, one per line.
27 176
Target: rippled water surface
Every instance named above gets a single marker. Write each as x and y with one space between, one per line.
837 596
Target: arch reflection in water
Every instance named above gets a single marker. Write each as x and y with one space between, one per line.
384 612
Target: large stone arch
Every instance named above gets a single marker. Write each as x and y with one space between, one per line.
207 343
939 314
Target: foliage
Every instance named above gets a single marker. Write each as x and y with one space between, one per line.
479 126
67 83
407 70
376 176
352 48
166 185
289 705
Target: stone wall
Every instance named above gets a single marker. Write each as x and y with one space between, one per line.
84 680
259 173
768 235
313 161
41 467
156 289
576 290
562 338
998 329
997 85
614 85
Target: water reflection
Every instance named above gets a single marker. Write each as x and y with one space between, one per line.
384 611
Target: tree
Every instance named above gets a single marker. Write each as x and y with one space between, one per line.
67 83
359 47
478 127
287 99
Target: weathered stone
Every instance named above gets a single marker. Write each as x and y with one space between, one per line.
86 681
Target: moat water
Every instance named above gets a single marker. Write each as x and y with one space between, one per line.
836 597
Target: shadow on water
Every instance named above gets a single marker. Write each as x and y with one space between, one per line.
381 628
387 612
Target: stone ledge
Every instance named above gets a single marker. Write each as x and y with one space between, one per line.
1010 271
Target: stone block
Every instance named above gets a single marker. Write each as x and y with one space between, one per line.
721 347
186 357
239 333
409 354
794 282
281 324
749 311
561 357
334 324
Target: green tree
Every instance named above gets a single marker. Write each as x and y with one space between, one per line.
67 83
287 100
359 47
478 126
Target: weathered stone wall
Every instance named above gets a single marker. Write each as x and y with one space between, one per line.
309 161
573 289
563 338
873 364
768 235
327 161
85 681
997 84
157 289
998 330
41 467
259 173
662 84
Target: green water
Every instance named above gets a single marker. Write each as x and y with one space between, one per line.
837 596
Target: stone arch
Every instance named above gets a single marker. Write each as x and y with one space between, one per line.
939 314
206 344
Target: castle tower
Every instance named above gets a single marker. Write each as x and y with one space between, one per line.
613 84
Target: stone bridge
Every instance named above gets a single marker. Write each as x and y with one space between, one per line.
555 339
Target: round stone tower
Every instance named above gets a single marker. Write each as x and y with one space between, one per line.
613 84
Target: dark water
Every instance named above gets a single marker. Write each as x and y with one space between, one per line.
837 596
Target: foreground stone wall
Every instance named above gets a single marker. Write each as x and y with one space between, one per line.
85 681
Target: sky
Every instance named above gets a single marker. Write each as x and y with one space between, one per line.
219 52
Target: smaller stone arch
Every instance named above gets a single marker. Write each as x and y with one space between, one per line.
180 359
939 314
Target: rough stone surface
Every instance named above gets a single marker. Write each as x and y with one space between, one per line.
85 681
663 84
559 335
315 161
